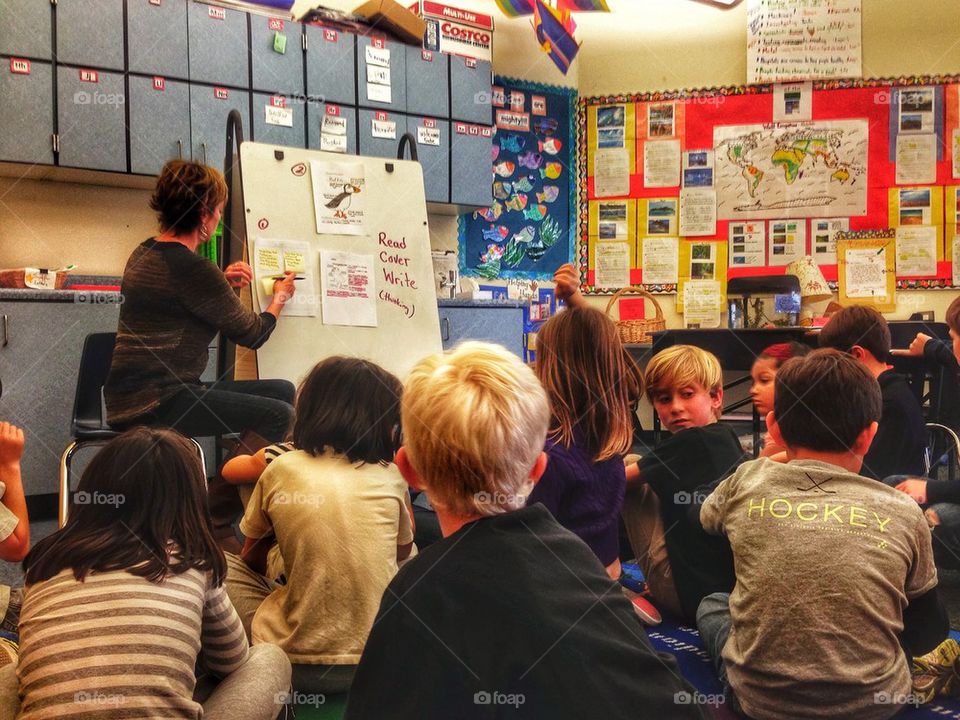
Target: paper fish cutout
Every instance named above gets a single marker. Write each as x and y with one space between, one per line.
530 160
551 146
489 214
494 252
551 170
501 190
545 126
495 233
525 235
504 169
494 152
524 184
535 212
517 202
512 143
549 194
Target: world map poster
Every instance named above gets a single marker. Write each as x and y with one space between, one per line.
809 169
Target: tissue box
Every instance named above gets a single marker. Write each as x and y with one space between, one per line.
395 18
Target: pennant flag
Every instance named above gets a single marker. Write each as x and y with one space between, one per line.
554 29
516 8
583 5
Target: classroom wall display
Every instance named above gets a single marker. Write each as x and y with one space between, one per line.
530 229
769 172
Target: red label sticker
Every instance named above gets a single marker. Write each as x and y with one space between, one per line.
330 35
461 128
378 42
216 13
538 104
471 62
19 66
155 2
429 123
498 96
275 24
159 83
474 130
426 55
381 116
486 131
517 100
221 93
91 76
278 101
333 110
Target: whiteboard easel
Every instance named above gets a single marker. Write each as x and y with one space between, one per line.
279 205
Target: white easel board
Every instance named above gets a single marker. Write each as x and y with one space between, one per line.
278 194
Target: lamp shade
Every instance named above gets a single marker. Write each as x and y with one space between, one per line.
813 286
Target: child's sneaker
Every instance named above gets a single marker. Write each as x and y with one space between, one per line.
645 610
933 673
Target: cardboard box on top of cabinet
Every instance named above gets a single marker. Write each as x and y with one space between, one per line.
395 18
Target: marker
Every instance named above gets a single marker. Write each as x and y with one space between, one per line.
281 277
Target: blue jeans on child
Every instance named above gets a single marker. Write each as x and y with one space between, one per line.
713 622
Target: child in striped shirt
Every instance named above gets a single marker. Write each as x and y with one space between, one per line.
121 602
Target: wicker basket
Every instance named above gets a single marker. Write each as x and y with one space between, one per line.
638 331
14 279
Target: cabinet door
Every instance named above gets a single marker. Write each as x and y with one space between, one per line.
209 108
428 83
25 104
371 53
501 325
279 120
470 82
331 65
157 38
375 128
218 45
90 33
92 119
340 116
433 151
39 368
470 154
26 29
275 71
159 122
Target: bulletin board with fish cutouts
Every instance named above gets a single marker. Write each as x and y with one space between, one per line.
768 173
530 229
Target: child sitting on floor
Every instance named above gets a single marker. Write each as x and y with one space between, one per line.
120 601
835 574
763 373
510 614
339 511
685 385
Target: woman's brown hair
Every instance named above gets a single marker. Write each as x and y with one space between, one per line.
184 191
591 380
141 506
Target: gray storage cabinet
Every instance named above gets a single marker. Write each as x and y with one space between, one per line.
159 123
428 77
90 33
315 114
265 132
276 72
375 146
435 159
209 108
26 91
472 180
501 325
331 65
157 38
39 367
91 114
26 29
398 75
218 45
470 82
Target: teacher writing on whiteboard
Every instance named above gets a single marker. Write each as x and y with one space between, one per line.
174 303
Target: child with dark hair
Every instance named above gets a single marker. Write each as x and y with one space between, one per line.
836 584
901 438
763 373
339 512
119 602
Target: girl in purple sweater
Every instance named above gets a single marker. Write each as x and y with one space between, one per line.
592 384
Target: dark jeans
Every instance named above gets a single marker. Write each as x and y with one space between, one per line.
713 622
229 407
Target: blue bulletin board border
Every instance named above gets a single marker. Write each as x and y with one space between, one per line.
469 249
